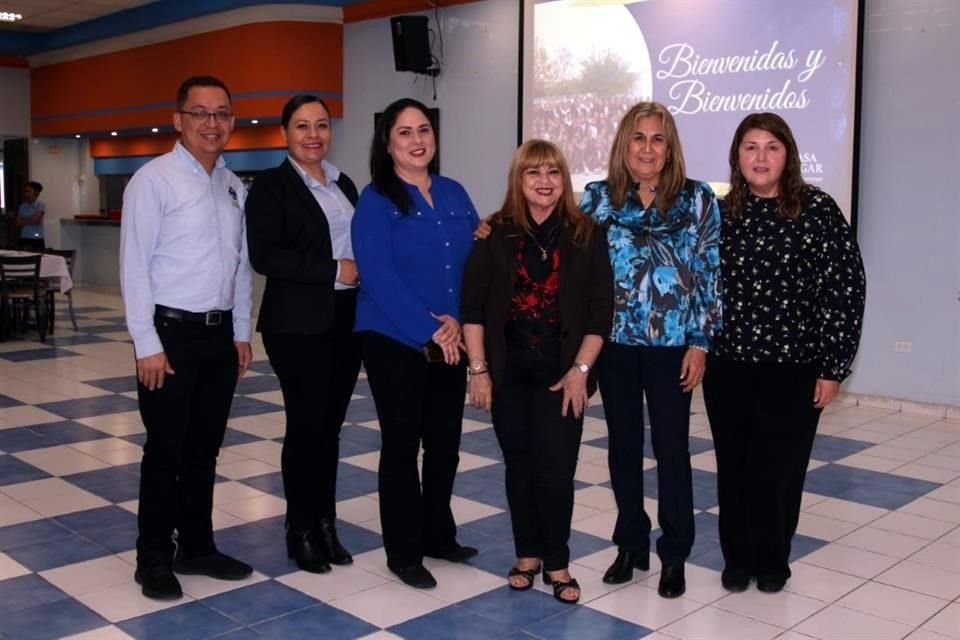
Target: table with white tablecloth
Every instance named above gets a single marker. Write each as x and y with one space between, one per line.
52 267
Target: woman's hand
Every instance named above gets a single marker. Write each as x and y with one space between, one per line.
449 338
692 368
481 391
482 232
824 392
574 386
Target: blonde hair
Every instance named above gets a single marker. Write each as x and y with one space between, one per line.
619 179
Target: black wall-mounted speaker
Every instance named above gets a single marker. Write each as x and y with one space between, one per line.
411 43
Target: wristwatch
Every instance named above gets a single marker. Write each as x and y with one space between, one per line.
582 367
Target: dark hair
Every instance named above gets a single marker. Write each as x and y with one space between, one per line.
199 81
791 180
36 186
295 103
516 210
382 174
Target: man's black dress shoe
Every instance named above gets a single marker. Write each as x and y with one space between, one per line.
672 581
158 582
307 551
326 534
735 580
771 583
215 565
416 576
457 553
622 568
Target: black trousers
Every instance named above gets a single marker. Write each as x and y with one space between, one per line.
185 421
626 374
540 451
33 244
763 422
317 375
417 402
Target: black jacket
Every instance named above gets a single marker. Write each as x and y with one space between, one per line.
289 242
586 293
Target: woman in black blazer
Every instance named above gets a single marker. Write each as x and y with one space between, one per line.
537 303
298 232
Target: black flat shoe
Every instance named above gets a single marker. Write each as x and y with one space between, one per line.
771 584
416 576
622 568
560 587
158 583
326 534
214 565
457 553
307 552
672 581
530 575
735 580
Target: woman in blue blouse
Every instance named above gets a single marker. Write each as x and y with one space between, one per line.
663 233
30 218
412 235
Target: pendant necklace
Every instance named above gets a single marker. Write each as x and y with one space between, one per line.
547 242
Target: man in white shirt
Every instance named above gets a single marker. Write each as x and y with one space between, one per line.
186 285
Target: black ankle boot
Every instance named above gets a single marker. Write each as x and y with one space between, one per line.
326 534
622 568
672 581
307 552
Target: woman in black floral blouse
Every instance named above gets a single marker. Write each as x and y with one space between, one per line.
793 296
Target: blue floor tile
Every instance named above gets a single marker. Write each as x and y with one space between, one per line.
258 384
497 525
868 487
89 407
319 621
43 555
14 471
123 384
357 539
69 341
101 478
25 592
7 402
271 483
128 489
259 602
29 355
243 406
118 539
473 538
583 544
191 621
450 623
232 437
67 432
582 622
496 558
354 481
349 448
707 554
485 491
20 439
802 545
28 533
57 619
261 366
516 609
361 435
831 448
93 520
114 327
136 438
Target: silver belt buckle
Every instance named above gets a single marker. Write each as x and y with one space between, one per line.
213 318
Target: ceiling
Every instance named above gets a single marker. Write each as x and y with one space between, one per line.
44 15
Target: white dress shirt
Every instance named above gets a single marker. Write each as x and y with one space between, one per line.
183 244
336 207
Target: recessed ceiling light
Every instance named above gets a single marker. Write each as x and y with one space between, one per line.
113 133
7 16
254 121
155 130
76 135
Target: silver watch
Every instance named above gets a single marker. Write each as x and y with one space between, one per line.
582 367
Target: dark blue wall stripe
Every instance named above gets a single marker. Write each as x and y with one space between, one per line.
253 160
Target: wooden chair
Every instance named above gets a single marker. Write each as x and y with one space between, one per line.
69 255
20 289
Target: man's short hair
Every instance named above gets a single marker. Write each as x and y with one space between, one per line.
199 81
36 186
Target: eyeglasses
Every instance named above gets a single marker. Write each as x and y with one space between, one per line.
204 116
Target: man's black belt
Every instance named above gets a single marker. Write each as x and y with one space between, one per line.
207 318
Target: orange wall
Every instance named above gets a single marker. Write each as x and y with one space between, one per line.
136 87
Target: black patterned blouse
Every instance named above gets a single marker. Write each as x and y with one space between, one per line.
793 291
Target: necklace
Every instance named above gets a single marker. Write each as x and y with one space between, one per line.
547 241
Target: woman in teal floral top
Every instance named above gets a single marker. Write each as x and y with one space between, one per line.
663 231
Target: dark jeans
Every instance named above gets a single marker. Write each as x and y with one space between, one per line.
317 375
37 245
763 422
625 374
416 402
185 421
540 451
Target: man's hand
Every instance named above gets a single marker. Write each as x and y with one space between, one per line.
244 357
692 368
152 370
348 272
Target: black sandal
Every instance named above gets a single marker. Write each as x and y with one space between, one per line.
560 587
528 574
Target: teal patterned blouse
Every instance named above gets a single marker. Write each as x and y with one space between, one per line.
666 266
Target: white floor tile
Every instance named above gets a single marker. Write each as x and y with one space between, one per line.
10 568
640 604
469 462
926 472
847 511
820 583
357 510
600 525
784 609
265 451
340 583
717 624
892 603
703 585
226 492
245 469
596 497
941 555
912 525
103 633
924 634
13 512
592 473
465 510
947 622
23 416
125 601
921 578
945 511
864 461
839 623
53 496
945 494
856 562
261 425
459 582
61 460
253 509
888 543
203 587
388 604
823 528
92 575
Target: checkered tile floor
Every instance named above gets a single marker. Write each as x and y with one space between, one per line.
877 555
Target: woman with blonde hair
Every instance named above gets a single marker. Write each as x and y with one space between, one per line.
663 233
536 306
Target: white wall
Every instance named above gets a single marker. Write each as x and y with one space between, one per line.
909 227
14 102
476 95
65 169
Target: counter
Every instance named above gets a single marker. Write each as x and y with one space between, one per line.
98 246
